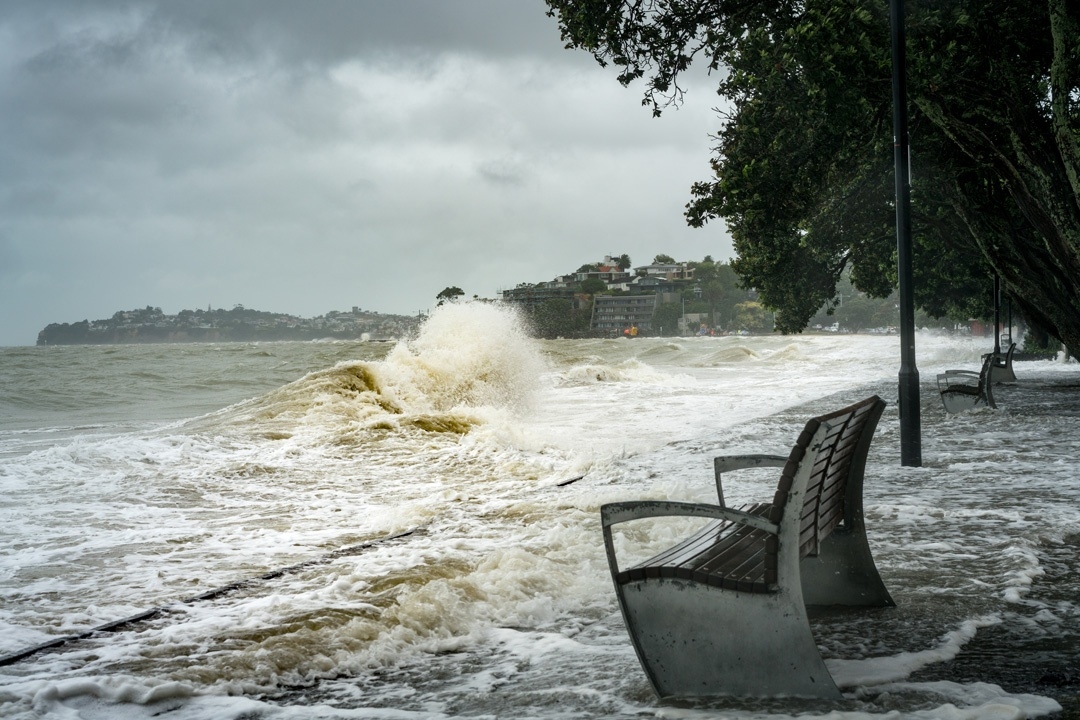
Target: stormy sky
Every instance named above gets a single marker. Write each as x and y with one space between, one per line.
302 157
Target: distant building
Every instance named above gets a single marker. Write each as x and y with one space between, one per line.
608 273
529 295
668 271
614 313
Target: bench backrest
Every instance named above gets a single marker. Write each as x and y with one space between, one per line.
986 379
987 366
834 464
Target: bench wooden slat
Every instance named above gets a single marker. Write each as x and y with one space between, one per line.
715 539
742 548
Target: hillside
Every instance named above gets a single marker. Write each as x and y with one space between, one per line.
151 325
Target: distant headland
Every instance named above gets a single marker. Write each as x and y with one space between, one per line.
240 324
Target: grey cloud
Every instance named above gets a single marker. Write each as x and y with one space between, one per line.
502 172
330 31
322 32
303 157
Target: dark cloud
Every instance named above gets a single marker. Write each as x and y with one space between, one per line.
322 32
304 157
333 30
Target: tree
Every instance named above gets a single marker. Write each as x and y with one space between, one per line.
449 294
803 168
709 285
557 317
588 268
666 319
591 286
752 317
663 260
623 262
859 312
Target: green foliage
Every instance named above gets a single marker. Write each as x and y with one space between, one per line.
591 286
1038 341
623 262
449 294
752 317
717 285
557 317
666 319
803 169
663 260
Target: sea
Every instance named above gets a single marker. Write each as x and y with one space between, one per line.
410 529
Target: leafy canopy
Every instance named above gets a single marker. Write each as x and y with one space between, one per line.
802 171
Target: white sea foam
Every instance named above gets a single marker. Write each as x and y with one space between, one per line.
500 605
880 670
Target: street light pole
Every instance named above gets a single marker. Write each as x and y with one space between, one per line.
910 431
997 315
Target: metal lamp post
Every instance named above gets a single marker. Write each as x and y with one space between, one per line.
910 430
997 315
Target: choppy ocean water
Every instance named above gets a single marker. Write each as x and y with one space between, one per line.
134 477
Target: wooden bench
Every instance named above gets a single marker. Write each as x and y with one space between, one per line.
966 389
724 611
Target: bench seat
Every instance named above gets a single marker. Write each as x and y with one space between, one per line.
722 554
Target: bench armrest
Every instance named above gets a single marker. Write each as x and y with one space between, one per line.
614 513
730 463
955 378
620 512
